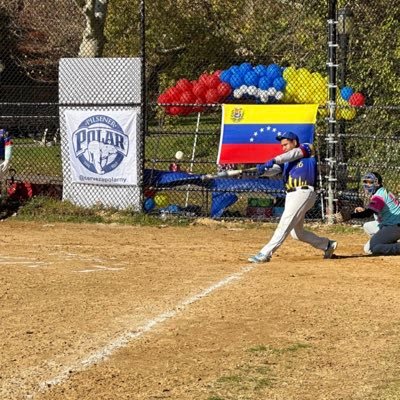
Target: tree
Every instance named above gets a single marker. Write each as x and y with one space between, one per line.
93 39
38 34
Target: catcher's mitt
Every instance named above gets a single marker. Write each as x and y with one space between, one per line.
343 215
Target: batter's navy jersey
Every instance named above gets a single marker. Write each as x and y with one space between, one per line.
301 172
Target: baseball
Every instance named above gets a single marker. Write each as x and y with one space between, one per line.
179 155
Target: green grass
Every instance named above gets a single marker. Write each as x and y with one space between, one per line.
51 210
37 160
255 375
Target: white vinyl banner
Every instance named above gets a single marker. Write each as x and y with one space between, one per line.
102 146
100 125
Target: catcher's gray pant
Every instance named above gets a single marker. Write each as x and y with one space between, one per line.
297 203
384 241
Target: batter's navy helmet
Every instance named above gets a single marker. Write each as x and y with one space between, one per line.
288 136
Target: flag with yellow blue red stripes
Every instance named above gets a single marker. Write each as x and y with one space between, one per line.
249 131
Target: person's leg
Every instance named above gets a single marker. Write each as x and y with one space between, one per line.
371 227
385 241
299 233
296 205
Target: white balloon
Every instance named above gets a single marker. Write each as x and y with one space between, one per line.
264 98
237 94
252 90
271 91
279 95
243 88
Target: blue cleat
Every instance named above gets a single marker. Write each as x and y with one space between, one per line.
259 258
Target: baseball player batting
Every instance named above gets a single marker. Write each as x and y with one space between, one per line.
298 167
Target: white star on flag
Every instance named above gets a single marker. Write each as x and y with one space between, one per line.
268 128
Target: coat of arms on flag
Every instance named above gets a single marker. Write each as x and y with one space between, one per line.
248 132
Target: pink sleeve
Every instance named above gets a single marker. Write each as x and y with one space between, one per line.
377 203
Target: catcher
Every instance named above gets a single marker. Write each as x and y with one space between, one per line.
386 208
298 167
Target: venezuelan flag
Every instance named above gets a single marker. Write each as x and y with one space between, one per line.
248 132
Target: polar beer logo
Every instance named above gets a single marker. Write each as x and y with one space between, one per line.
100 144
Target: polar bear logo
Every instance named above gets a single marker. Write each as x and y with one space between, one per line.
100 154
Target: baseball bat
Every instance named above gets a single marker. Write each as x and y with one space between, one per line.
230 173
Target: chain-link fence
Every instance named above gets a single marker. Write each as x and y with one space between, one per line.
197 55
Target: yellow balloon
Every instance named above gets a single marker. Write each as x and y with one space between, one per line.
288 98
303 95
161 200
304 76
348 113
323 112
317 77
290 89
289 73
320 97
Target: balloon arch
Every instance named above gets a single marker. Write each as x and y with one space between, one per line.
262 84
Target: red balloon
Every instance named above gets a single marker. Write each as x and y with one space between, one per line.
212 81
217 72
149 192
224 89
212 96
203 79
183 85
199 90
200 108
174 93
357 99
163 98
187 97
175 110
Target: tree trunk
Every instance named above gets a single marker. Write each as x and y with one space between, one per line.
93 38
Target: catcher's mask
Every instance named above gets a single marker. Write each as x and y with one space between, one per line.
372 181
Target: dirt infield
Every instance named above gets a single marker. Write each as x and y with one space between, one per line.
121 312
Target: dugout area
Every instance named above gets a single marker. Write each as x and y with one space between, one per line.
125 312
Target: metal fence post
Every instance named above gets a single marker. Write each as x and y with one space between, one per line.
332 90
143 107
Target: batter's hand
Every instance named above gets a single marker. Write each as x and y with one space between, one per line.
261 168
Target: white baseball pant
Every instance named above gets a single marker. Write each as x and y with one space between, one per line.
297 203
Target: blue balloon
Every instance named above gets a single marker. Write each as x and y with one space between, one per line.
261 70
236 81
225 76
264 83
245 67
274 71
251 78
149 204
279 83
346 92
235 70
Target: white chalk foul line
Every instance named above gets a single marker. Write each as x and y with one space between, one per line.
123 340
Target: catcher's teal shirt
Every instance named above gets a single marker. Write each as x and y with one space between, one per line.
386 206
